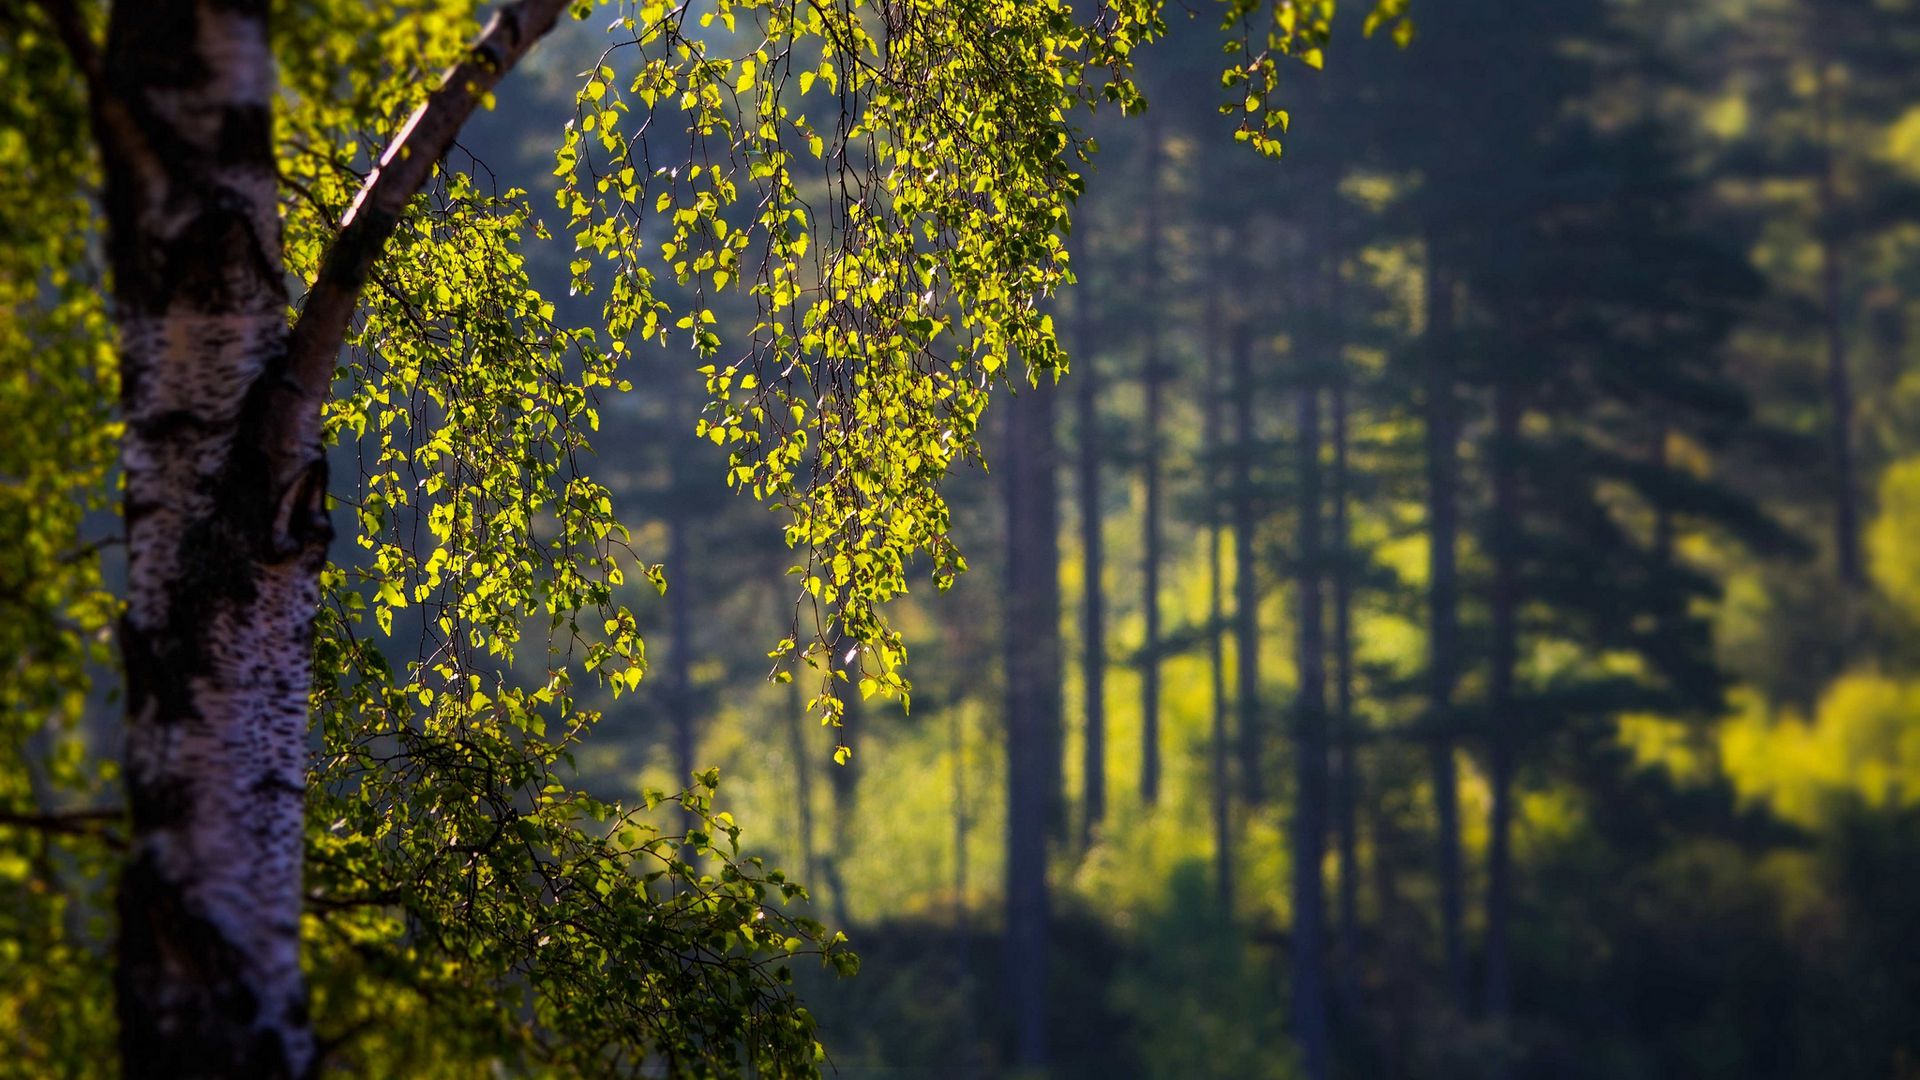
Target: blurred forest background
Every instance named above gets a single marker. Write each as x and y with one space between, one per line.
1460 601
1501 506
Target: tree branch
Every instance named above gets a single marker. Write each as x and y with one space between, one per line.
115 126
72 31
95 823
402 172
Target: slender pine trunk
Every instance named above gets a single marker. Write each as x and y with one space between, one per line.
1839 378
1443 630
1032 640
1501 720
1153 377
844 782
797 745
1310 755
1890 338
1093 628
967 1065
1219 748
1246 584
679 688
1346 799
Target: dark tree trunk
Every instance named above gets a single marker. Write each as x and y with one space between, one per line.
225 489
844 782
1032 639
1839 378
1442 426
802 752
1501 728
1150 544
966 1065
1093 621
1219 749
1346 799
679 688
1246 584
1310 756
1890 337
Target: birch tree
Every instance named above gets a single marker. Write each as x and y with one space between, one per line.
246 227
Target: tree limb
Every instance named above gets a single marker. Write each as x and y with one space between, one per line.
94 823
72 31
402 172
115 126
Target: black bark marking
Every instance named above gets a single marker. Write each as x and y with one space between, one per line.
246 135
219 262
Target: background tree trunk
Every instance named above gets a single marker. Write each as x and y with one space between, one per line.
679 688
1310 757
802 751
1501 731
1839 378
1346 798
1221 753
1246 583
1153 377
1032 636
844 781
1442 598
1093 630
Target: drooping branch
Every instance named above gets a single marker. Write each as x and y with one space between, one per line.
403 170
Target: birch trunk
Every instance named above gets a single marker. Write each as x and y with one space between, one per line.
225 508
226 535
